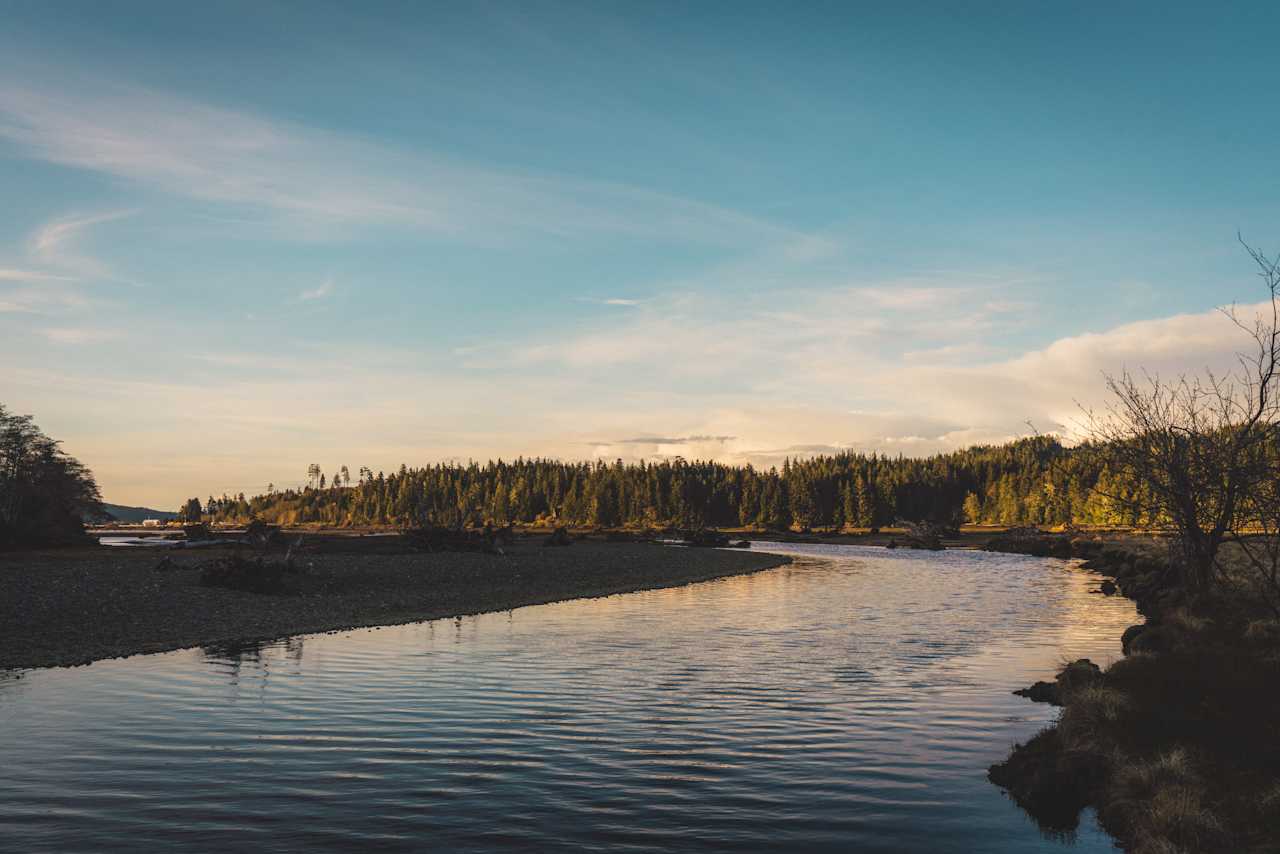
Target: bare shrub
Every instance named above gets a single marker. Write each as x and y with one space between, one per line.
1200 447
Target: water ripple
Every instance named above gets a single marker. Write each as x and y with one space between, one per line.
847 703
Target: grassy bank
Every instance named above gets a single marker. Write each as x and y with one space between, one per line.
74 606
1177 745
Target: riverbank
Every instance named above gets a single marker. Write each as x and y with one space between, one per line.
75 606
1176 745
966 537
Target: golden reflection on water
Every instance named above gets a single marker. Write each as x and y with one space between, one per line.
850 701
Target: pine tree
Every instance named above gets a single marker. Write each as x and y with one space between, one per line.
866 503
191 511
849 505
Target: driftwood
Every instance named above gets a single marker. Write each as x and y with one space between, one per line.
559 537
258 574
260 535
705 538
926 536
437 538
647 535
252 575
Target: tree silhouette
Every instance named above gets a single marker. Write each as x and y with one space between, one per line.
45 495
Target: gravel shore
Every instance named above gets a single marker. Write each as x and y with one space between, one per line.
75 606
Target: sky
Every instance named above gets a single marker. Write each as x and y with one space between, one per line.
239 238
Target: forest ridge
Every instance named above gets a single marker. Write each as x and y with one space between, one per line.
1029 481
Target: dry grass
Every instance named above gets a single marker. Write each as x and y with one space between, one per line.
1182 620
1074 675
1186 728
1132 666
1263 632
1160 846
1163 805
1092 713
1268 805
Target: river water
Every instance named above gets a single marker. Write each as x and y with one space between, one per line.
849 702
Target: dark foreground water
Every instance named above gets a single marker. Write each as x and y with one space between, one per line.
847 705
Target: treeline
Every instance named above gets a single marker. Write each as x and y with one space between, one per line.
44 494
1032 481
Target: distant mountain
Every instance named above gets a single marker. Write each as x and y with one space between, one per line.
137 514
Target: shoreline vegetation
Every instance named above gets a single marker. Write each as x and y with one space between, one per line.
1174 744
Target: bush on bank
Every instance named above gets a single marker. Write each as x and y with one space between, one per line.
1177 744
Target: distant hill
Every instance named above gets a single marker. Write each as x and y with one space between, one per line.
137 514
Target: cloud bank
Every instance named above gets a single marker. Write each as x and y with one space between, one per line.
377 408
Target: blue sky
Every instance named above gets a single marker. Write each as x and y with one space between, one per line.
239 238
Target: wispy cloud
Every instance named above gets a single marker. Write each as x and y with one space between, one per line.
14 275
318 177
54 244
324 290
906 295
618 301
37 289
746 340
51 238
42 297
79 335
669 440
970 350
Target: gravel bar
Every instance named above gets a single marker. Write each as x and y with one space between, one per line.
75 606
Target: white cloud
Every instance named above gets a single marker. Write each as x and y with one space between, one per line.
268 423
950 353
842 371
905 295
78 335
317 178
324 290
43 298
625 302
672 440
1045 385
749 340
14 275
54 244
52 237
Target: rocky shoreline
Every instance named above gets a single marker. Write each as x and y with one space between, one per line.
63 607
1175 744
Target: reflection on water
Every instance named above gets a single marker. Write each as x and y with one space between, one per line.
229 657
848 704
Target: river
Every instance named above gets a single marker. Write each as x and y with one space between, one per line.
849 702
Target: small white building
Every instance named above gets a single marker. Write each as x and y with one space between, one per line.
152 523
